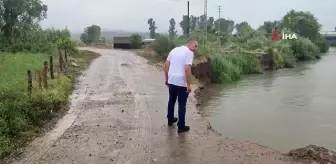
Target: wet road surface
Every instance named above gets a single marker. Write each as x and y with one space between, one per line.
118 115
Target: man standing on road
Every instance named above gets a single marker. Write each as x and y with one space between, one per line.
178 79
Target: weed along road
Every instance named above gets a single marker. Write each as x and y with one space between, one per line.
118 115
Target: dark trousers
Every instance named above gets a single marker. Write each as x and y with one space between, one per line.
180 93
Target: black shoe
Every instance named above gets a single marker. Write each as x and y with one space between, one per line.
174 121
184 129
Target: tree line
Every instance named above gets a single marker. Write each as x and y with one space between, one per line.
20 30
302 23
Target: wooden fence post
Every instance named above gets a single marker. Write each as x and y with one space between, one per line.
51 67
39 78
45 75
30 82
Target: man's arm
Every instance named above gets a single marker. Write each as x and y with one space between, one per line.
187 68
188 74
166 68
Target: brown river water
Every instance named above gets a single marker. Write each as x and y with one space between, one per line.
283 109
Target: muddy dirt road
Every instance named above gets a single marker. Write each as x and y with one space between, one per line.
118 115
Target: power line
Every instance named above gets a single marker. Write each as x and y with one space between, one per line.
188 25
218 30
206 21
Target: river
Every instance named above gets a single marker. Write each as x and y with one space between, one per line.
283 109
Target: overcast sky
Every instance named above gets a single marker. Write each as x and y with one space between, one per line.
132 15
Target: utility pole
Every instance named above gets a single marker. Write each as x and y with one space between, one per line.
188 24
206 21
218 30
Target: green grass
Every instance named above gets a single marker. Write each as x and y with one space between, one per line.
22 117
13 70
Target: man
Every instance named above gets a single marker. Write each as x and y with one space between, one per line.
178 79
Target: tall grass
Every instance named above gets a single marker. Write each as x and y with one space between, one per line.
231 67
163 45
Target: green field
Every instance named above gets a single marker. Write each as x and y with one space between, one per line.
13 70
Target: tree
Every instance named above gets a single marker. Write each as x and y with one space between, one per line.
16 14
84 38
226 26
93 33
241 26
306 25
152 28
103 39
269 26
201 22
210 24
136 41
193 23
172 32
184 24
302 23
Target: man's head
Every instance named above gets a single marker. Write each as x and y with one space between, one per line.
192 45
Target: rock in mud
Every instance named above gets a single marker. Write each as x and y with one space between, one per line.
314 153
74 64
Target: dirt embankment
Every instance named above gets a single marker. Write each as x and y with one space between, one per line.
201 69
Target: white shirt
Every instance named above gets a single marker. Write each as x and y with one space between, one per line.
178 58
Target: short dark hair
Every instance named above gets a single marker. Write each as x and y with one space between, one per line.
191 40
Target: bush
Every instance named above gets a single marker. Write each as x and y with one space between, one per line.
257 43
223 71
284 51
322 43
136 41
35 40
162 45
304 49
248 63
227 68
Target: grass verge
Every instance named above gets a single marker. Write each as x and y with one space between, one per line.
22 118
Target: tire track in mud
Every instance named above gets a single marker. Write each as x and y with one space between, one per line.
128 71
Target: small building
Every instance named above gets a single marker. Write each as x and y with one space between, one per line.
123 42
148 41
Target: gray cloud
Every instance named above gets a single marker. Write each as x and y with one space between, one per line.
132 15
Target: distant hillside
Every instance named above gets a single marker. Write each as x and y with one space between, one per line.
110 34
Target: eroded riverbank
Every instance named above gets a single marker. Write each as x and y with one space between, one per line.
119 109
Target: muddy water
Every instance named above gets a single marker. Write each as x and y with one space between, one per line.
285 109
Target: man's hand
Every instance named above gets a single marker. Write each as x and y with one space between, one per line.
166 83
188 88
